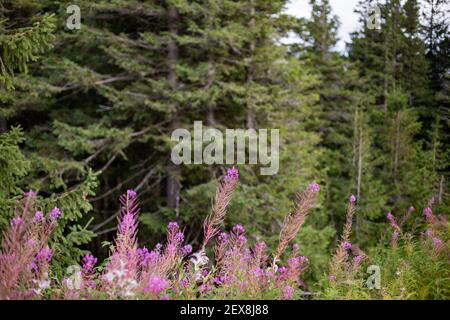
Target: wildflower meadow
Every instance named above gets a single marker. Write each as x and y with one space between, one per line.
199 152
225 265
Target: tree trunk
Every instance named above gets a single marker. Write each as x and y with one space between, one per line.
3 125
210 118
441 190
250 117
385 81
173 171
173 180
360 161
360 170
397 146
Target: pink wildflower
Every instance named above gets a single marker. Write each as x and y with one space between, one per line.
346 245
156 285
357 261
295 219
238 229
187 249
89 262
16 222
232 174
224 194
288 293
131 194
173 226
314 187
55 214
438 243
204 288
428 212
45 255
38 217
395 235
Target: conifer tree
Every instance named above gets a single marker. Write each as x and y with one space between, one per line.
337 104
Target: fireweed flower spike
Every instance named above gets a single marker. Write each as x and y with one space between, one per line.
339 260
397 230
295 219
156 286
23 261
346 245
224 194
428 213
17 222
55 214
38 217
124 257
89 262
131 194
30 194
232 174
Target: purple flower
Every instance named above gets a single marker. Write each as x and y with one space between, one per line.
238 229
127 223
395 235
131 194
142 254
187 249
332 278
241 239
390 217
184 282
55 214
45 254
282 270
232 174
156 285
32 267
428 212
352 199
429 233
314 187
31 194
38 217
296 247
89 262
293 263
258 272
288 293
179 237
358 260
30 243
217 280
346 245
204 273
173 226
303 260
151 257
223 237
438 243
204 288
16 222
171 248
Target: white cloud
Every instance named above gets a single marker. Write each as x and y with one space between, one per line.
342 8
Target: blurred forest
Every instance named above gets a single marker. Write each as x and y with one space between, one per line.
88 113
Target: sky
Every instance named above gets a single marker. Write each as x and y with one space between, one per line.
342 8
